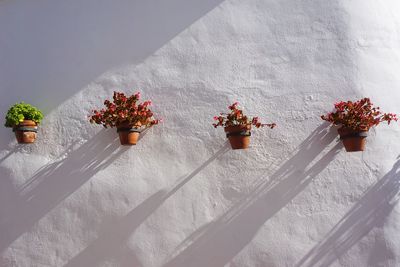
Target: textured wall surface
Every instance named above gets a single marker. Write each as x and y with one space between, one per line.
182 197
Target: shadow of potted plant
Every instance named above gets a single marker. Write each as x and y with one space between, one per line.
355 119
24 118
126 114
238 126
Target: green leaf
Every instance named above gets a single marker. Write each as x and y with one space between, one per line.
20 112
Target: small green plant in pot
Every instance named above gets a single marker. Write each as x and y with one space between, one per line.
354 120
126 114
238 126
24 118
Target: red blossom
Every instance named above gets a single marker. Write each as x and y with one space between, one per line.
359 115
236 117
124 109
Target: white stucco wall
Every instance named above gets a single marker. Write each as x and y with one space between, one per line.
181 197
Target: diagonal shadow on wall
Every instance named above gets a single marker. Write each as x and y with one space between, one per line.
52 184
369 212
18 148
112 243
217 243
73 42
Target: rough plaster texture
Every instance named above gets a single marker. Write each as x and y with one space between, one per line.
181 197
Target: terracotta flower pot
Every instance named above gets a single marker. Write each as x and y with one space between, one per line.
353 140
26 132
239 136
128 133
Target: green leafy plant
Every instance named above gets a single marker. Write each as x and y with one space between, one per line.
20 112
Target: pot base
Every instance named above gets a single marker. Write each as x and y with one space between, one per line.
128 135
238 136
239 142
353 141
26 132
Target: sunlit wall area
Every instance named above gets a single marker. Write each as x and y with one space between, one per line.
182 197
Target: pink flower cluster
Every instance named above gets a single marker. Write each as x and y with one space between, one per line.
124 110
236 117
359 116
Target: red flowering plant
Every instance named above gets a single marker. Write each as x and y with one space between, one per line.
124 110
358 116
236 117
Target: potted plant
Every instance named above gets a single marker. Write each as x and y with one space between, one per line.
24 118
126 114
238 126
355 119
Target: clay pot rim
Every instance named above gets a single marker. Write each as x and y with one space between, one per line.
239 127
344 130
129 125
26 123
